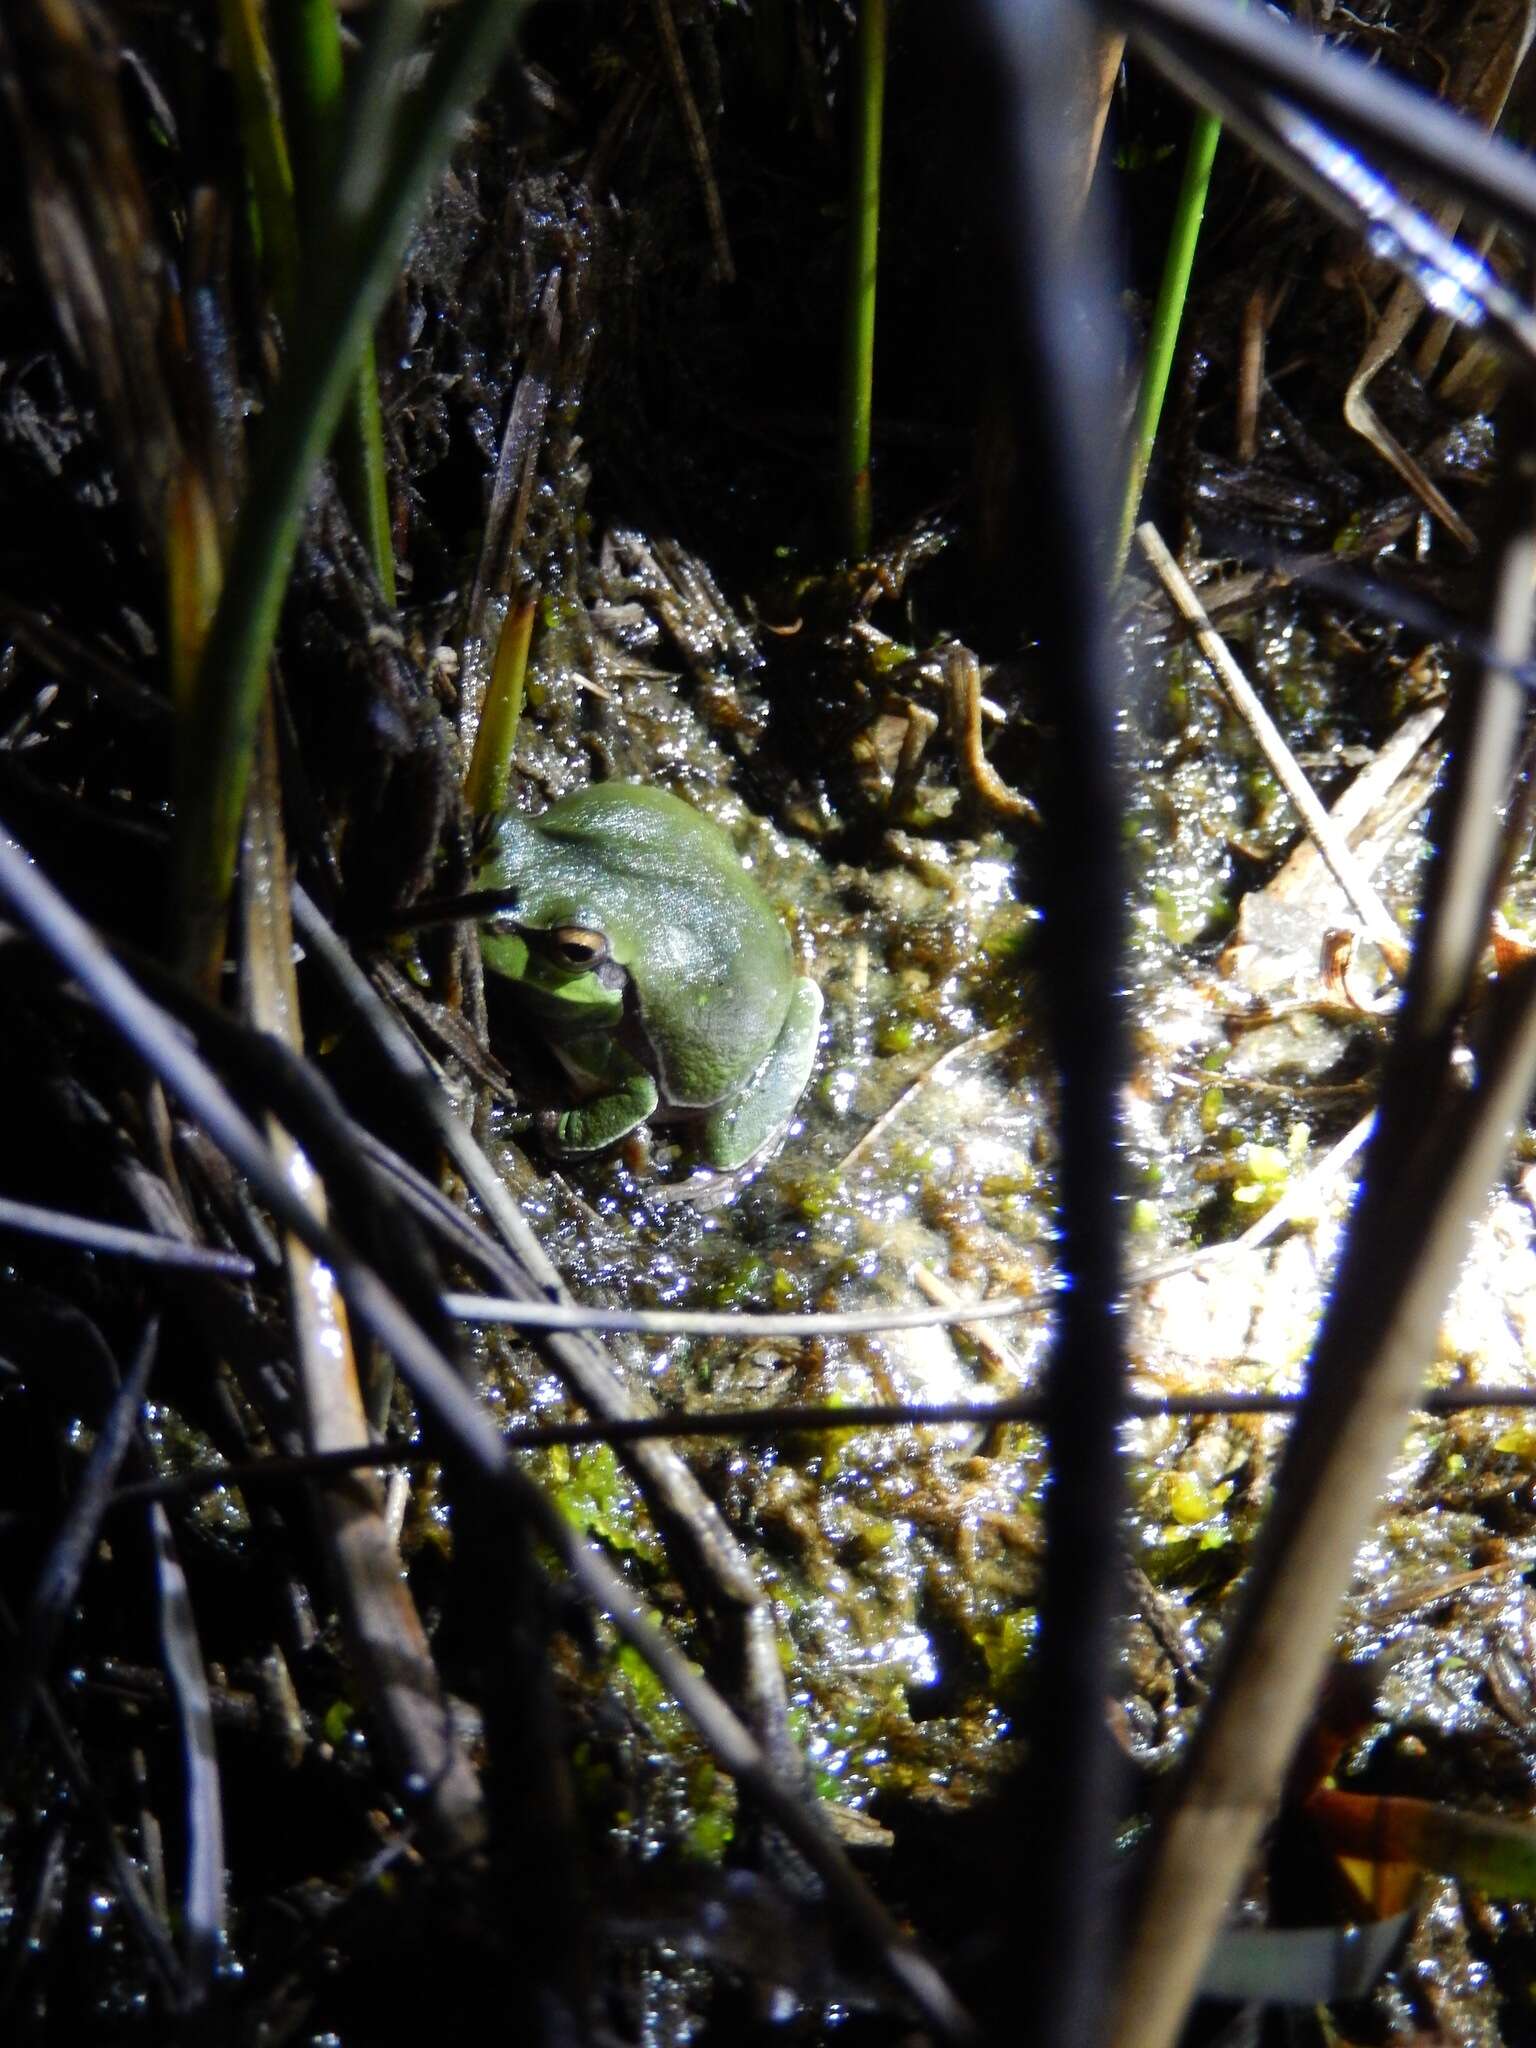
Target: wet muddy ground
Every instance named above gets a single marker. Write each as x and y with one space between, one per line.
696 629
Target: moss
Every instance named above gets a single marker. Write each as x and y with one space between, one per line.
1007 1644
750 1280
784 1290
817 1196
337 1725
1191 1501
646 1689
1144 1219
895 1034
712 1822
595 1493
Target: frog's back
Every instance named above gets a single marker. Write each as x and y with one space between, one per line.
709 959
644 831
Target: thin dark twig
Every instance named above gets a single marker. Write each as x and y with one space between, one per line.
470 1429
87 1234
1334 577
58 1578
139 1910
1362 101
164 1048
517 464
471 908
786 1420
1057 314
203 1904
711 1564
1454 278
698 144
38 1891
1461 1071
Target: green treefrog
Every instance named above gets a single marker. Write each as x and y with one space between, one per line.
653 964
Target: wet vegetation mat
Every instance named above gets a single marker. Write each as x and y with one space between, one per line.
768 1000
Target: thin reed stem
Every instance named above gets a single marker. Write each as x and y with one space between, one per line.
869 58
1168 316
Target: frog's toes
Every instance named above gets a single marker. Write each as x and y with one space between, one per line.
605 1119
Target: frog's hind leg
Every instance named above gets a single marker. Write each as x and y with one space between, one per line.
627 1096
735 1133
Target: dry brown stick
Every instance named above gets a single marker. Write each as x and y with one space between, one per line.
386 1642
1391 331
100 257
1325 835
1105 50
984 1042
1440 1142
719 1580
987 789
698 142
517 464
149 1030
1250 373
203 1901
1482 87
998 1356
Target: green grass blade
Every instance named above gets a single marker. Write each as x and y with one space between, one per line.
363 463
307 38
266 148
1168 315
490 767
869 58
345 285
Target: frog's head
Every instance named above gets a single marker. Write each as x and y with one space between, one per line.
570 963
563 953
633 920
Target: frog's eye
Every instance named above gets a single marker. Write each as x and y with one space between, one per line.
574 945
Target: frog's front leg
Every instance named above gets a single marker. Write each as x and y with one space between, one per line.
742 1127
626 1095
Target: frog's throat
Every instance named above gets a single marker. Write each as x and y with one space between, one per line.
569 1005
